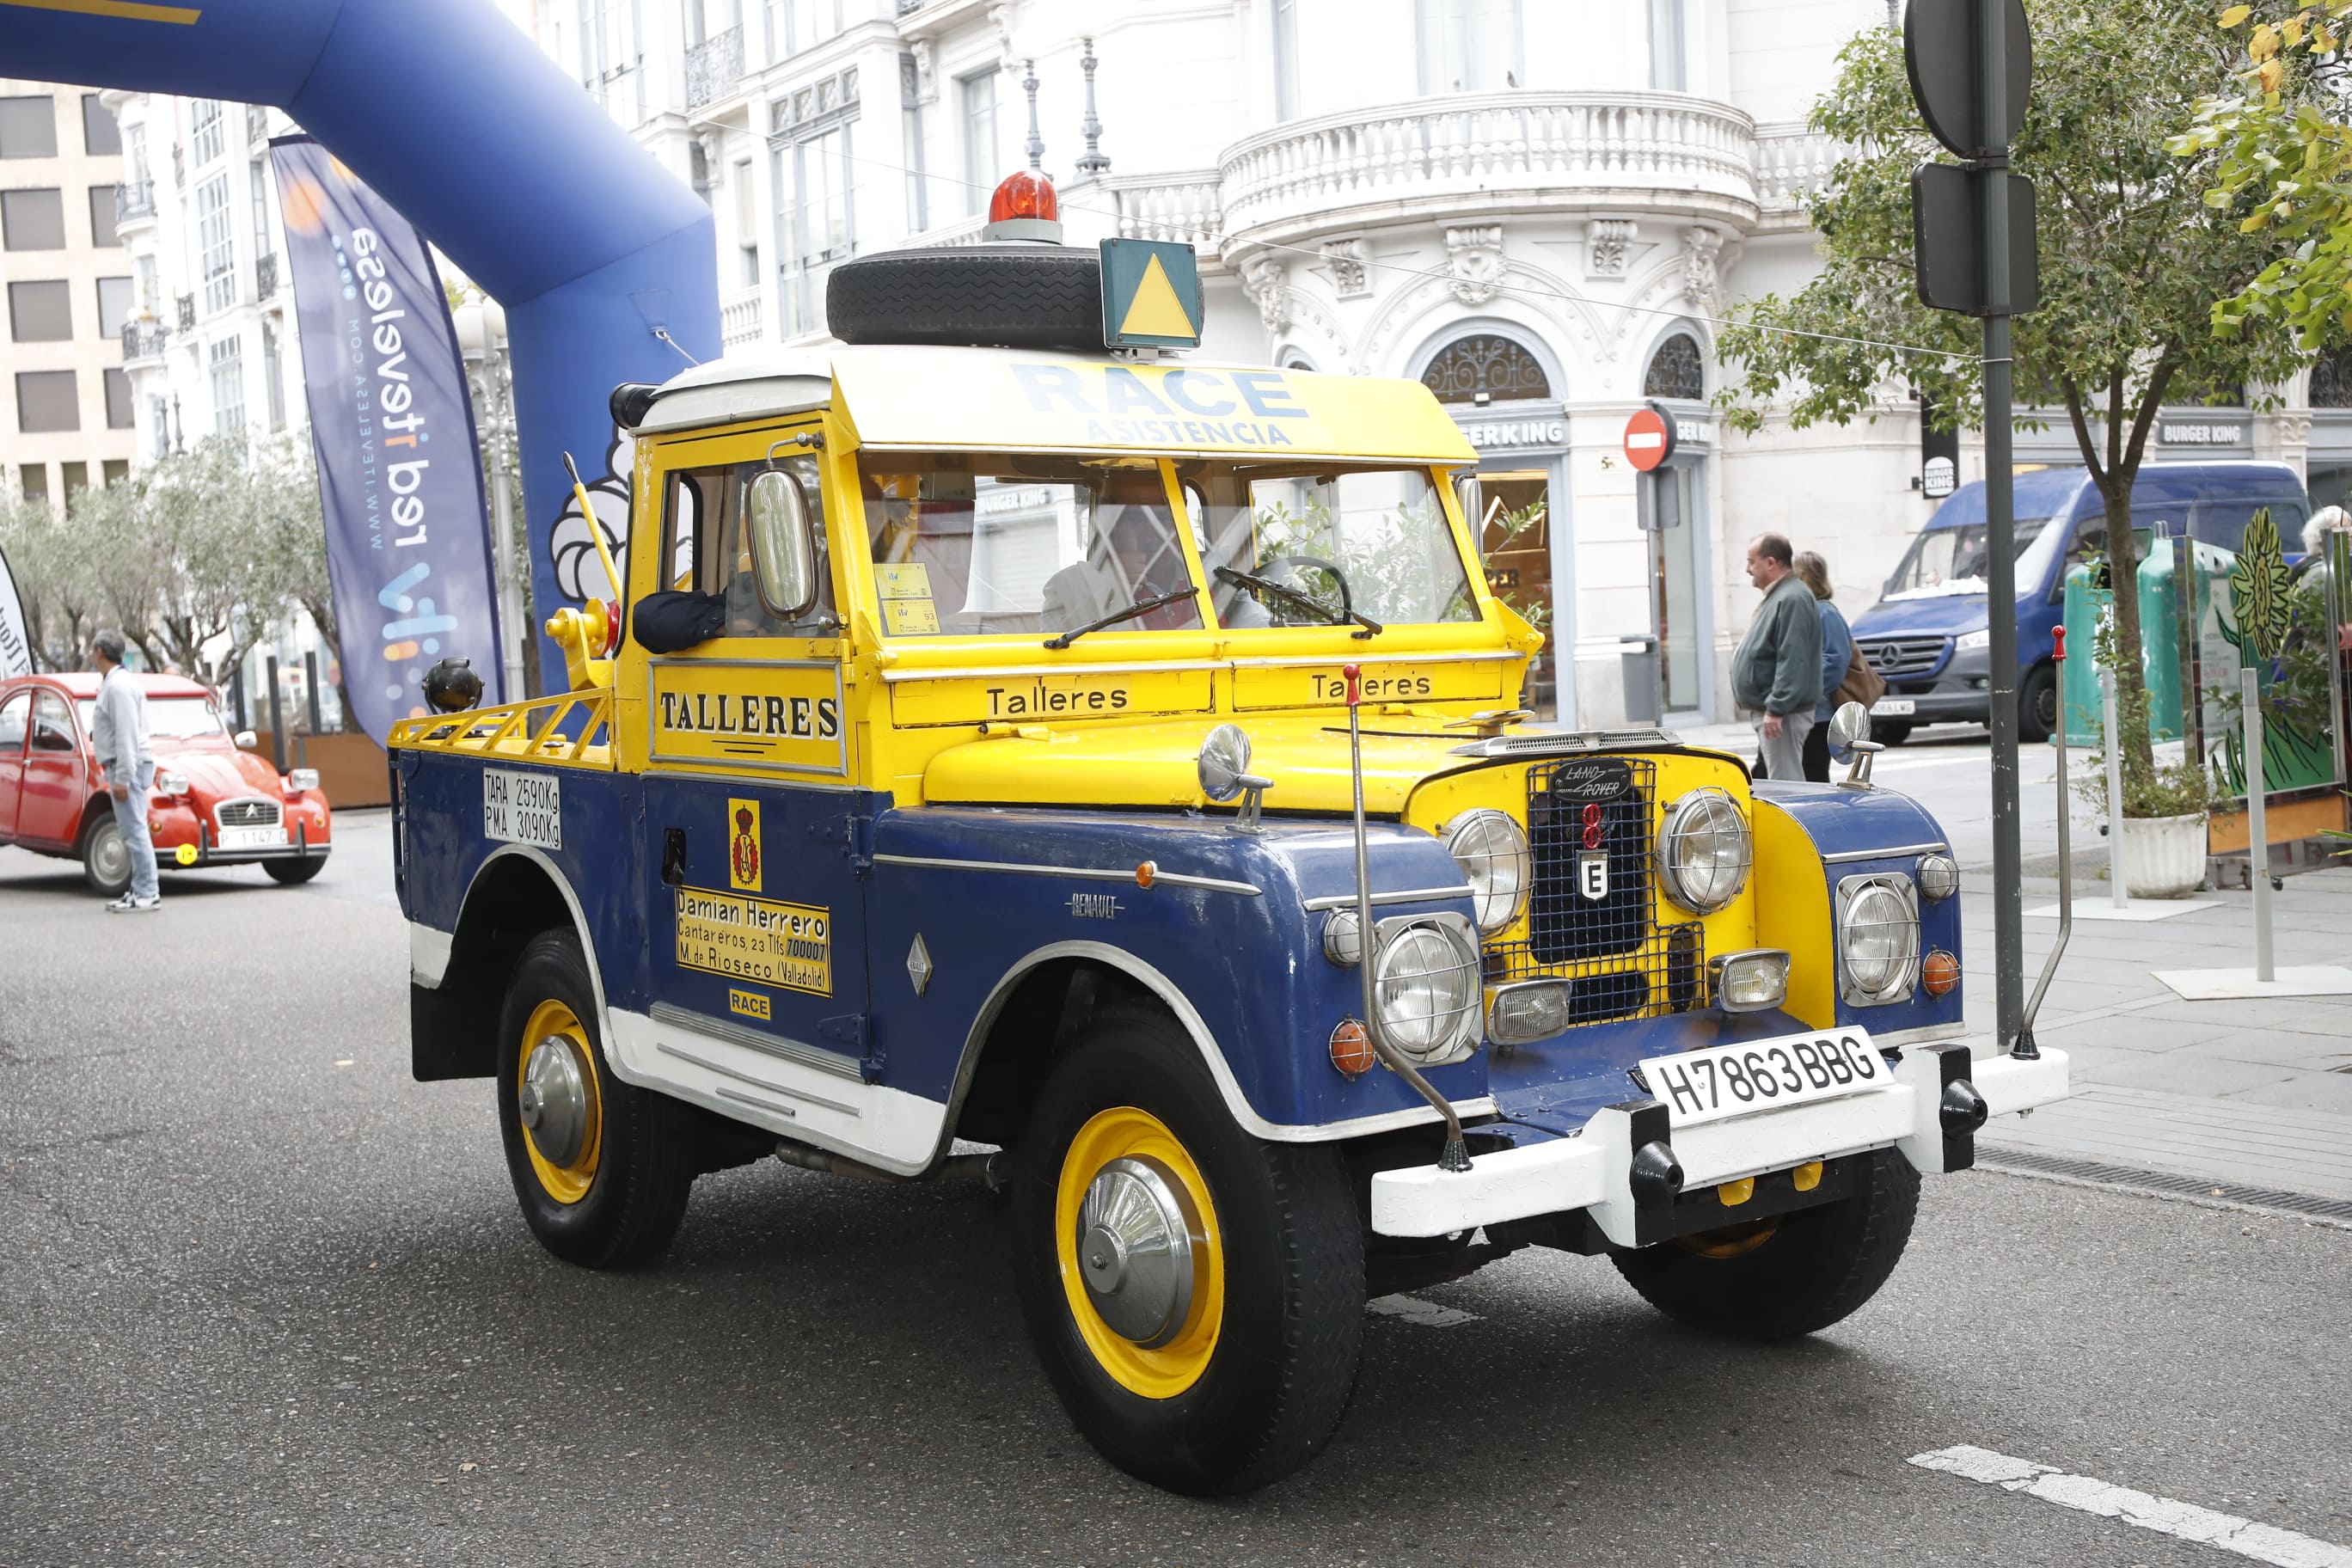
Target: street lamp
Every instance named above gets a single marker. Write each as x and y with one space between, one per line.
481 326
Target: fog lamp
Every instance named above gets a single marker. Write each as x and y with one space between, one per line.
1752 980
1536 1010
302 779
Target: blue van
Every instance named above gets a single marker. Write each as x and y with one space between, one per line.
1927 635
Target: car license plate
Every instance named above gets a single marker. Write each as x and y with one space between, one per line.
1722 1081
1894 707
253 838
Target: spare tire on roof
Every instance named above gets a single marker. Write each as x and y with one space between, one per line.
1007 295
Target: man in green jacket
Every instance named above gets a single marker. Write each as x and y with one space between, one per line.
1778 669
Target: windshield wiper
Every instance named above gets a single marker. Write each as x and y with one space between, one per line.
1140 607
1330 616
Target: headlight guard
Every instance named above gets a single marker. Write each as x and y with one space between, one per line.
1427 985
1492 851
1704 850
1878 939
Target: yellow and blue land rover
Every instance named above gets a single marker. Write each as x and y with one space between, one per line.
1112 762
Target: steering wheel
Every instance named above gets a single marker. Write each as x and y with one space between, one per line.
1347 601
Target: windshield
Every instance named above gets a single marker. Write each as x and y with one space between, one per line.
972 543
1944 561
1372 541
168 717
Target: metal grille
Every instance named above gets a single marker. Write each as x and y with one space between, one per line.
1891 657
1618 962
246 813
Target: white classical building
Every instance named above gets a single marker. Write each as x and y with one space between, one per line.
1540 207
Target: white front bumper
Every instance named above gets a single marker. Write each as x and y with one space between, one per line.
1590 1171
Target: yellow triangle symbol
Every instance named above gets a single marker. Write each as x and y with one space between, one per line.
1155 311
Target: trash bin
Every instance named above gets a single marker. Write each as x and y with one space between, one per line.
1645 691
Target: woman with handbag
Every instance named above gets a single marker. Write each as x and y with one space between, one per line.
1846 676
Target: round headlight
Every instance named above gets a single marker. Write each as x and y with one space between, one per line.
1224 758
1426 987
1704 852
1939 877
1880 939
1493 854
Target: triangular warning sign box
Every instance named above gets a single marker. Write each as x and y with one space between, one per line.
1150 294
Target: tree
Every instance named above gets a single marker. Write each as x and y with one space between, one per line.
2131 258
60 595
2278 149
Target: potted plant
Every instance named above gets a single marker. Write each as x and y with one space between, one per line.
2164 801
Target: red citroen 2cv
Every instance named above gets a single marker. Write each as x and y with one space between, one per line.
213 804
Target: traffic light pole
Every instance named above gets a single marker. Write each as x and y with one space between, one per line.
2000 542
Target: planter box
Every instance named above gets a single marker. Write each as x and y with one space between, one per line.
2164 857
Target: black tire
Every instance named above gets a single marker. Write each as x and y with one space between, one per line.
1008 295
105 858
643 1143
1276 1376
1890 732
294 873
2037 704
1810 1269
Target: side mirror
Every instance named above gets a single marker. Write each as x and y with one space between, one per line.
1472 495
246 740
1850 729
784 545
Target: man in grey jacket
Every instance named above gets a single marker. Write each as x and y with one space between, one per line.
1778 669
119 737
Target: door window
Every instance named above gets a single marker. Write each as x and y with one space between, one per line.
706 545
13 715
53 727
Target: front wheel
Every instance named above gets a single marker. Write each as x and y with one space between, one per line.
2037 704
105 855
1789 1275
601 1168
1890 732
1196 1294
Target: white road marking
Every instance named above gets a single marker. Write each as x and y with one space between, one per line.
1413 1309
2186 1521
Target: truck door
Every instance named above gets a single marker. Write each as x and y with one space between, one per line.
57 775
755 909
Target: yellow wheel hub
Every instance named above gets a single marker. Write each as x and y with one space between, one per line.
561 1102
1732 1241
1141 1259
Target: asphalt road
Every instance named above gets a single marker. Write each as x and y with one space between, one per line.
265 1299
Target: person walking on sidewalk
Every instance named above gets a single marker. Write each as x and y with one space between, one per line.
1777 670
119 735
1837 652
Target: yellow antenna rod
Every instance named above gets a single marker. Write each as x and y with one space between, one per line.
595 529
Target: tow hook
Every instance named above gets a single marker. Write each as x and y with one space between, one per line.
1962 1110
1655 1175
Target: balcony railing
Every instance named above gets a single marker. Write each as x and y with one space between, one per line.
264 277
144 340
741 319
1790 159
257 123
1184 207
187 312
713 67
133 200
1527 148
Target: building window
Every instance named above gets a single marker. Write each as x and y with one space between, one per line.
28 126
113 306
1667 73
979 173
612 44
258 187
33 220
74 478
273 376
1468 46
114 470
117 400
207 131
159 419
40 313
747 219
1286 59
2331 380
910 142
1676 370
34 478
100 136
821 175
225 361
813 21
102 217
1483 368
216 256
47 400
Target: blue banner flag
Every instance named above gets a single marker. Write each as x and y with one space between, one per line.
400 476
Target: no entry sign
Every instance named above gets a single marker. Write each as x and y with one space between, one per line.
1649 437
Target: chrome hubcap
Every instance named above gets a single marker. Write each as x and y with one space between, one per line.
113 855
1136 1233
554 1100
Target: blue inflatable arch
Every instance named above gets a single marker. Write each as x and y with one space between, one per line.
487 147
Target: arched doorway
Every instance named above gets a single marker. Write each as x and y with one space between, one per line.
1672 498
1498 390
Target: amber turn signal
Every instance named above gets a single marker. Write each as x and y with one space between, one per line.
1351 1049
1939 972
1144 872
